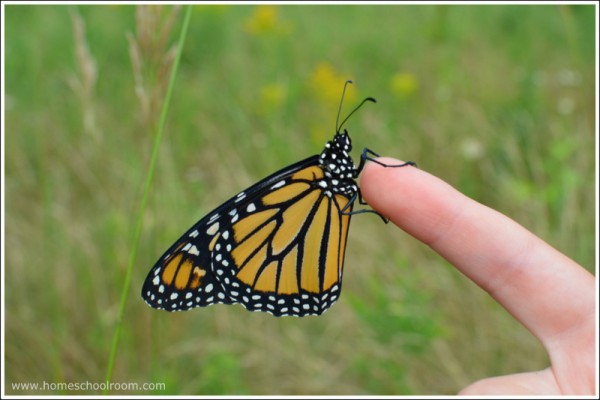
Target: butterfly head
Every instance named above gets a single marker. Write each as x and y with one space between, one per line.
342 142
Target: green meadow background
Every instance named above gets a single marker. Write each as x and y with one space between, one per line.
498 100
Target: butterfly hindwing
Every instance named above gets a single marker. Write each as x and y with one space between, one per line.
182 278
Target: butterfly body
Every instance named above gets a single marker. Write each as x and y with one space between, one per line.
276 247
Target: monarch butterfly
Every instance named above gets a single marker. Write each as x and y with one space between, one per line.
276 247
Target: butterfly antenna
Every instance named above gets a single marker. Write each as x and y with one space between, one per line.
353 111
337 119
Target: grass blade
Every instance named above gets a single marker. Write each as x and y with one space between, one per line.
139 219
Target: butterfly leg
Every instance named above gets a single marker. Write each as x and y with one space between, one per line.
368 154
358 196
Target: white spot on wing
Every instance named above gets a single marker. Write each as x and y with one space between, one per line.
240 197
214 228
278 185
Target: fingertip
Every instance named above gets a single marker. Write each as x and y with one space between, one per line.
381 185
411 198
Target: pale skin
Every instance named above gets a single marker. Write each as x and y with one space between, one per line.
550 294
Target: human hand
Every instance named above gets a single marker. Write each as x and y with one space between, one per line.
547 292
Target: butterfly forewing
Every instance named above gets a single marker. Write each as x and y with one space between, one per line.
283 252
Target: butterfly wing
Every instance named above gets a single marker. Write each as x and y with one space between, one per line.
276 247
182 278
282 251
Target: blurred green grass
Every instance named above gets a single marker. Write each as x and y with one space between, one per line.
496 100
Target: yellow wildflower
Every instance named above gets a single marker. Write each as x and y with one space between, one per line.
272 96
264 20
327 84
404 84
